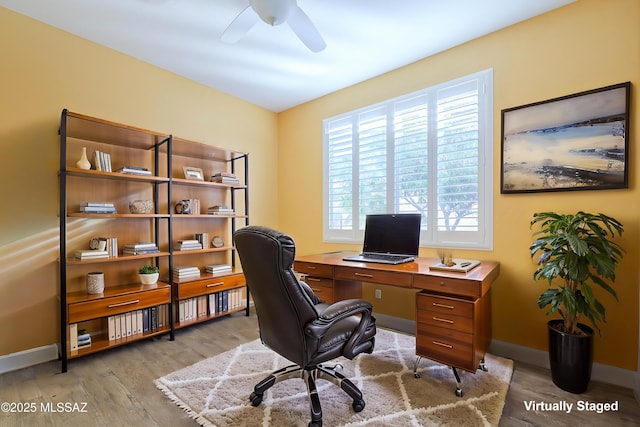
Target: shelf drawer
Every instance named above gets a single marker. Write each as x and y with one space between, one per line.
445 305
375 276
109 306
449 285
452 348
209 285
313 269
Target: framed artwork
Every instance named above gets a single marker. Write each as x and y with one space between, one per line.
194 174
576 142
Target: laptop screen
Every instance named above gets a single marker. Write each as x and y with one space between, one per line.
392 234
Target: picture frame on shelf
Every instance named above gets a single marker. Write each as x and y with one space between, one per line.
194 174
575 142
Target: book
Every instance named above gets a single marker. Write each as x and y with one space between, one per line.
220 210
73 336
134 170
90 254
102 161
95 207
217 268
140 248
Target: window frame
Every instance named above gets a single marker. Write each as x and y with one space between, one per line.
482 239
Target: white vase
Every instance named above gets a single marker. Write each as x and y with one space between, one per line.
149 279
84 163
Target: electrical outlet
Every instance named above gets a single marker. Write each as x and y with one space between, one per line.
378 293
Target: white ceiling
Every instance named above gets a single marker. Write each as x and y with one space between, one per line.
270 67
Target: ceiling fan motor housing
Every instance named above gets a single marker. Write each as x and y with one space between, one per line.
273 12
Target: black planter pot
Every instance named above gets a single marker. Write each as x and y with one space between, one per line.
570 357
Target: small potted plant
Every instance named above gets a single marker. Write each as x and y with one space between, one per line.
149 274
576 254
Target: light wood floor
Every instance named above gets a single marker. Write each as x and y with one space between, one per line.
117 386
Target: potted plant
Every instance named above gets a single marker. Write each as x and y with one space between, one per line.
576 253
149 274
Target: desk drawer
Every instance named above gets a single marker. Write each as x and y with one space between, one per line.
313 269
375 276
317 282
448 285
109 306
324 294
208 286
453 349
447 321
445 305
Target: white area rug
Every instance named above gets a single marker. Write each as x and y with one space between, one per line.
215 391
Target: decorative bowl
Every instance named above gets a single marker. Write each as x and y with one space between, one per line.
141 206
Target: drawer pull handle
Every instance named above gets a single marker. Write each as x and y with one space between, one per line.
312 279
439 319
436 304
311 267
364 275
441 344
120 304
211 285
441 283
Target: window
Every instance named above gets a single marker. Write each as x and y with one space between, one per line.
429 152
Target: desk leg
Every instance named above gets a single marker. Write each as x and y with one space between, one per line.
459 391
415 367
482 366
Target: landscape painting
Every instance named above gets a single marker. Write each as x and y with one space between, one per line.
577 142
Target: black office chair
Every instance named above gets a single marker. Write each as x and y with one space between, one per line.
295 324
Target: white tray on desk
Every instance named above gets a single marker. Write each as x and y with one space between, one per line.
459 266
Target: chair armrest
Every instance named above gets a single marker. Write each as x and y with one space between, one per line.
335 312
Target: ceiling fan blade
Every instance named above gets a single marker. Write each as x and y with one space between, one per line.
305 30
240 26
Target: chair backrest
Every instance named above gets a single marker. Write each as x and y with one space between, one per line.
282 306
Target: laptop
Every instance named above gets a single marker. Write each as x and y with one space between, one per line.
390 239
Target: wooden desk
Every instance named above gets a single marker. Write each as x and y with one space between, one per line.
453 310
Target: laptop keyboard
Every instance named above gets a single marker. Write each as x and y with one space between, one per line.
384 257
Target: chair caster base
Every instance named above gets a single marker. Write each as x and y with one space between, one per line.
358 405
315 424
255 399
459 392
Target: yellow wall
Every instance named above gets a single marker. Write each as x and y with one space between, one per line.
585 45
45 70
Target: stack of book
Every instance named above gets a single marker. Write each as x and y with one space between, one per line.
140 248
225 178
222 210
187 245
98 208
102 161
85 254
204 239
150 319
185 272
84 339
217 268
134 170
112 245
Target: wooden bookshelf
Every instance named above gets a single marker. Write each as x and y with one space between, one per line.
164 157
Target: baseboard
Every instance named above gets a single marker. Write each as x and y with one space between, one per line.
395 323
600 372
26 358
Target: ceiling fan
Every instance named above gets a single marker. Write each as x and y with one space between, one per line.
275 12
